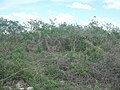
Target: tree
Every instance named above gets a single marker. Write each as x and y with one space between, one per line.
10 27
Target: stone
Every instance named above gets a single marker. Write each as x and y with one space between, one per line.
30 88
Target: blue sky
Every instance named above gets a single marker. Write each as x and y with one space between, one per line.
70 11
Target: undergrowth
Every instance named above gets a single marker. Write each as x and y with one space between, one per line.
63 57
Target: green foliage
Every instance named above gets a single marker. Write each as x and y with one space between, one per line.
10 27
54 72
62 57
80 68
93 53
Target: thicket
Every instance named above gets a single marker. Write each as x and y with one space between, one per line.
59 57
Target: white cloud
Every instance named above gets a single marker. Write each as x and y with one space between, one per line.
81 6
63 17
101 20
51 11
112 4
25 16
104 20
21 17
10 17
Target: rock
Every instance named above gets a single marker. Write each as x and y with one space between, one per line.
20 85
10 88
21 89
62 81
30 88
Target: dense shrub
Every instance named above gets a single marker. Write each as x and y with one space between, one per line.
66 57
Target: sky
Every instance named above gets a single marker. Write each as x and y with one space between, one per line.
70 11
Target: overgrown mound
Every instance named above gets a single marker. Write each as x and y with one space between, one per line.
64 57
